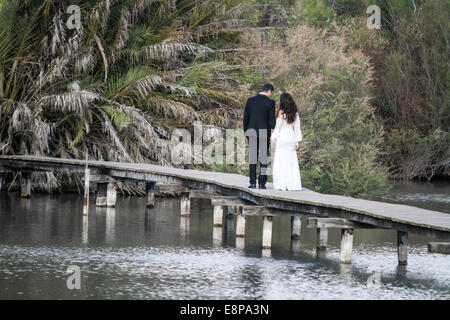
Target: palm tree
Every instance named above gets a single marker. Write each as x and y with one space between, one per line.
116 86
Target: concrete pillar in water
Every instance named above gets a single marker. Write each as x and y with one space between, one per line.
402 247
240 223
111 195
102 191
150 189
218 216
25 185
296 227
106 194
321 239
185 204
346 245
267 232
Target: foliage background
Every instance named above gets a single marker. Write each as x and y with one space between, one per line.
374 103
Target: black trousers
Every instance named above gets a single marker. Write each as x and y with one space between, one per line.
259 153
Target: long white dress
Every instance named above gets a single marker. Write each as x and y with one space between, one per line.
285 169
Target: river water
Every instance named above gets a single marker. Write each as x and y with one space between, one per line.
132 252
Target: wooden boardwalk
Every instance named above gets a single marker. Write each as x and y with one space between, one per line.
352 212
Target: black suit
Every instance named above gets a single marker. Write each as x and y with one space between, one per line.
259 120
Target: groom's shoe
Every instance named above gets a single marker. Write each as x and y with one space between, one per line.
252 186
262 186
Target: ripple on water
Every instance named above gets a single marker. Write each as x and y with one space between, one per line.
227 273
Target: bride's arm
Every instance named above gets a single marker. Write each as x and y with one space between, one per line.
297 131
276 132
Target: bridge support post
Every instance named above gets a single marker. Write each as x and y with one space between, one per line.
321 239
185 204
402 247
267 232
296 227
100 198
111 195
106 195
240 223
25 185
87 175
346 245
218 216
150 189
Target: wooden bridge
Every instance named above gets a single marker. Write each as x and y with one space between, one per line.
230 190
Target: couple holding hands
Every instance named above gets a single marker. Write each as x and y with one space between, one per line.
259 120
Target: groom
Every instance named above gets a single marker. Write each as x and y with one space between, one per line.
259 120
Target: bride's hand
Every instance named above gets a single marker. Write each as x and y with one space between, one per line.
296 146
272 141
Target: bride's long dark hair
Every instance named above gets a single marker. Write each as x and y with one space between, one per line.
289 107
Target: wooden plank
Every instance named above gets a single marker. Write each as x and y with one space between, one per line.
169 188
336 223
227 201
202 194
102 178
439 247
258 211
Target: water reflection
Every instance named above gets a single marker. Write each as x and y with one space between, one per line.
295 245
217 236
346 272
266 253
185 223
240 243
132 252
85 229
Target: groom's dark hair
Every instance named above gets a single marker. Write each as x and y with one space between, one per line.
267 87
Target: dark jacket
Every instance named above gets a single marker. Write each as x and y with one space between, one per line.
259 113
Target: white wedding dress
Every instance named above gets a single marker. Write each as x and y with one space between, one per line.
285 170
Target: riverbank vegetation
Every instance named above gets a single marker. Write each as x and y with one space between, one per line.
374 103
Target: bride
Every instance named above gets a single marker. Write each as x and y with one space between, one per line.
286 135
